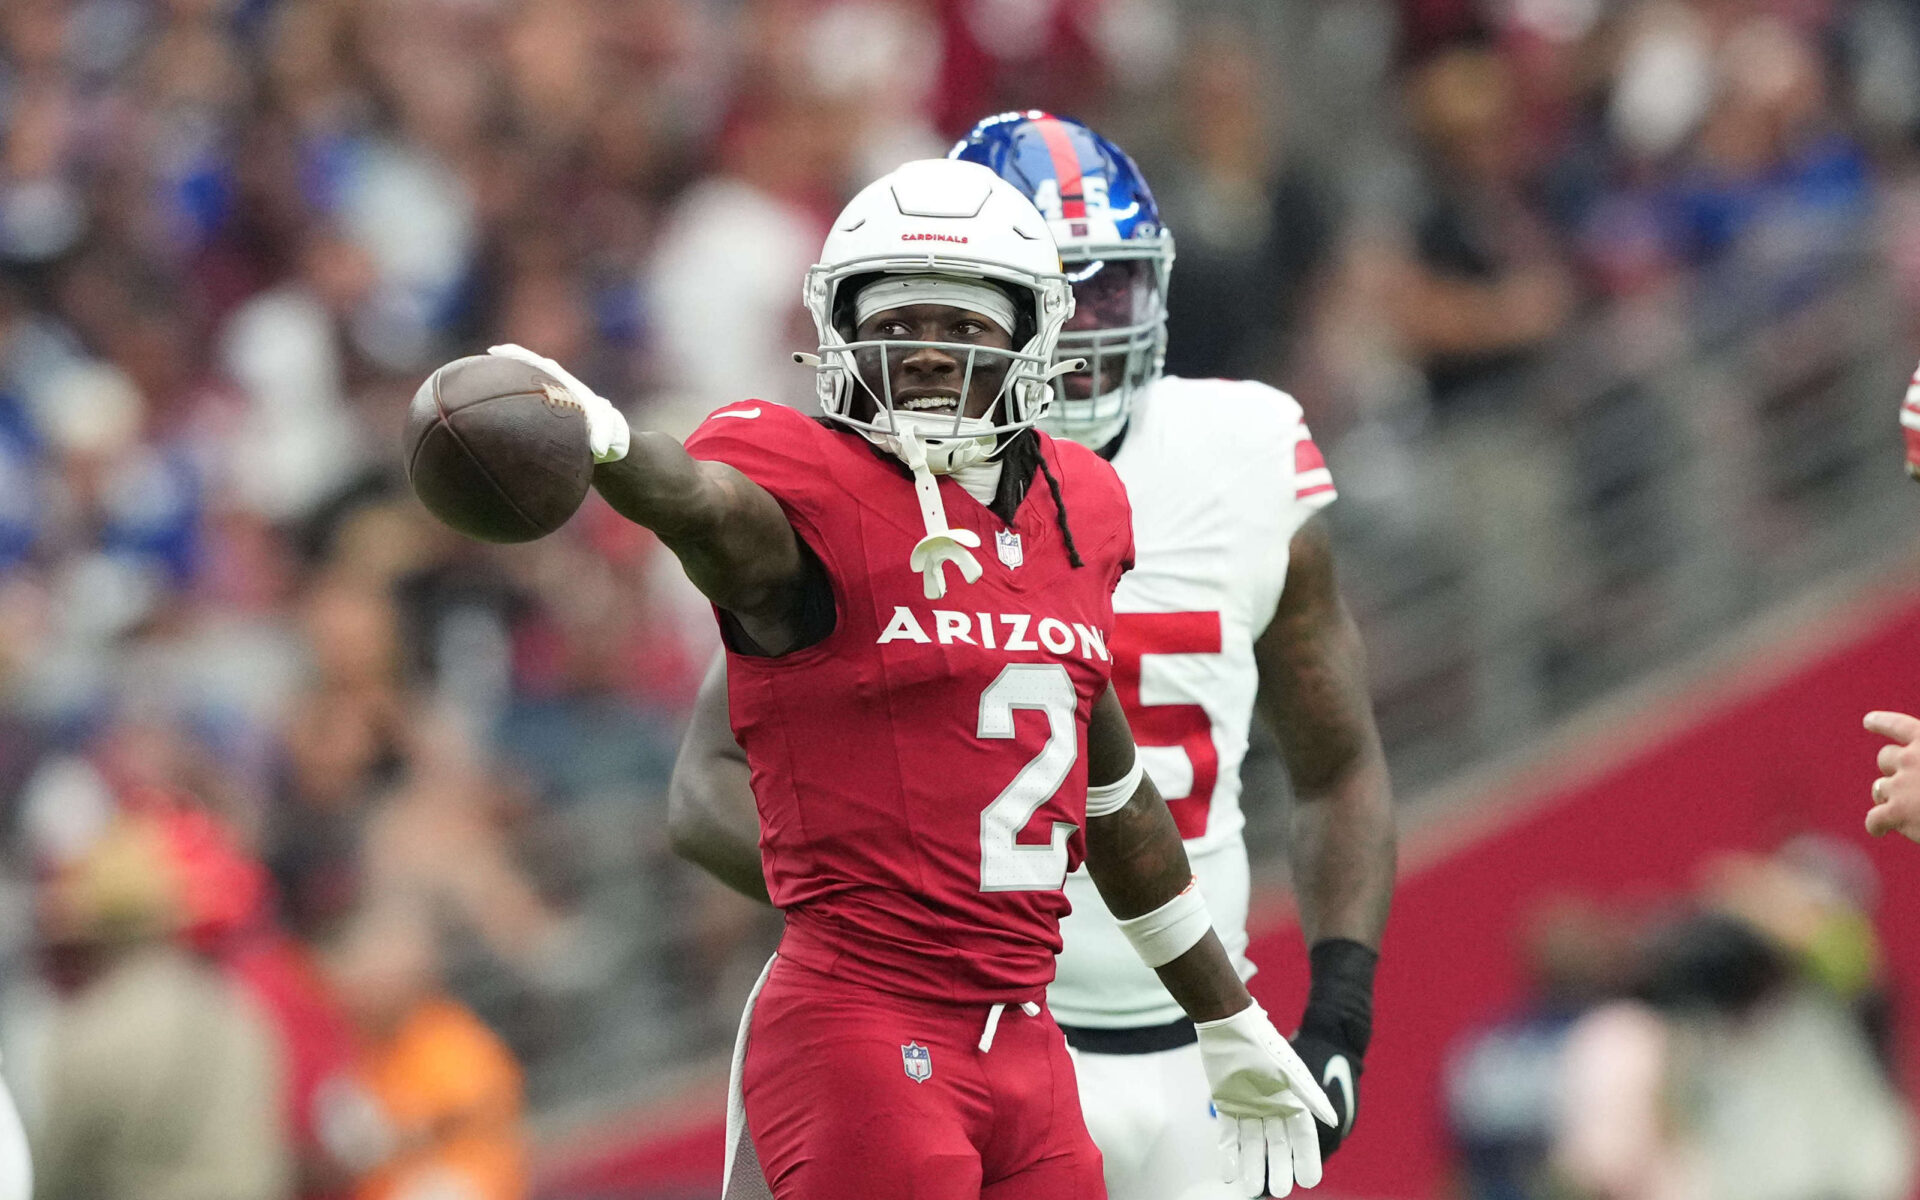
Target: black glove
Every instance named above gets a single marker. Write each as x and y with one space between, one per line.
1336 1027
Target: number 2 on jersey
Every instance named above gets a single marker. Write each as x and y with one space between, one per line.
1007 865
1138 635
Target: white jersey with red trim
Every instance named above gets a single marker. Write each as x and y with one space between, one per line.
1910 424
1221 475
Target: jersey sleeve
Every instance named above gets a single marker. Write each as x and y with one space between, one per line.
769 444
780 449
1313 486
1125 543
1279 428
1910 424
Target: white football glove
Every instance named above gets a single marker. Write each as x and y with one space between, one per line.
1267 1100
607 431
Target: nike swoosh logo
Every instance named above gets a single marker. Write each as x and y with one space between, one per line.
1340 1072
745 414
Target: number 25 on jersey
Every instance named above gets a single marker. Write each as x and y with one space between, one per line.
1137 636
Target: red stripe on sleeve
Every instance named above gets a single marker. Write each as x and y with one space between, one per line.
1307 457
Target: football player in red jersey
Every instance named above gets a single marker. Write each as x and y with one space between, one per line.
1231 613
931 732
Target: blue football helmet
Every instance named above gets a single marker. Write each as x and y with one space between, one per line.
1117 255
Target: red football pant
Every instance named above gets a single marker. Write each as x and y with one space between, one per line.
834 1113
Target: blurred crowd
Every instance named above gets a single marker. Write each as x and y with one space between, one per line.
336 841
1734 1042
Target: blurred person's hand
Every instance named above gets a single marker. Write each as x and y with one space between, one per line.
1896 794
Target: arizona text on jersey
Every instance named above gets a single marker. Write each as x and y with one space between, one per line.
920 773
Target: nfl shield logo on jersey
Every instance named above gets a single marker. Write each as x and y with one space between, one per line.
1007 542
918 1060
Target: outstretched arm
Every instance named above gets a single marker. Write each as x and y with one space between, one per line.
1266 1095
711 816
1313 695
728 532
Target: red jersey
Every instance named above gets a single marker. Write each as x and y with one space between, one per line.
920 772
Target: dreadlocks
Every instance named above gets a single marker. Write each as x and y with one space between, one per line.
1021 458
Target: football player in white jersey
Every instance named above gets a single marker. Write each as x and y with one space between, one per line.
1230 611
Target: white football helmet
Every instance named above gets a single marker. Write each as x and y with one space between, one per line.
940 217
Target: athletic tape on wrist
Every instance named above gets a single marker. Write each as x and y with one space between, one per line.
1110 798
1171 930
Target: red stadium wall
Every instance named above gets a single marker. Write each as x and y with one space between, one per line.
1745 769
1755 757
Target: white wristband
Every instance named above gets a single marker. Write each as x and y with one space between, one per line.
1171 930
1110 798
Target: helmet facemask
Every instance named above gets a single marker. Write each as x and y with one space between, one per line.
857 374
1120 292
953 441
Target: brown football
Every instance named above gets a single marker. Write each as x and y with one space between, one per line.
496 449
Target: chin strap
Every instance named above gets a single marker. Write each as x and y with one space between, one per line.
943 544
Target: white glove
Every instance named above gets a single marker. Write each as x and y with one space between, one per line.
607 431
1267 1100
